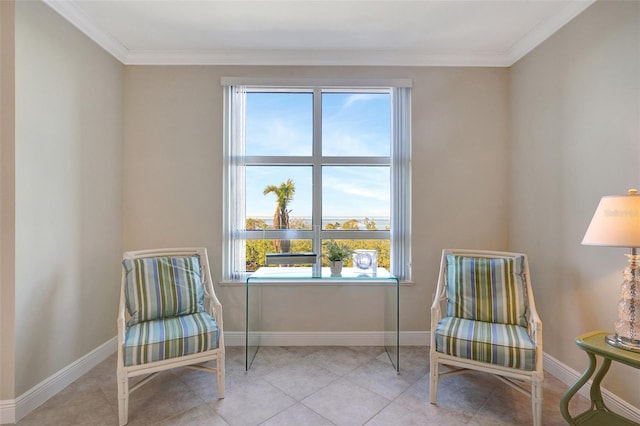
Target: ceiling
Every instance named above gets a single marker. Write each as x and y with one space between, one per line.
319 32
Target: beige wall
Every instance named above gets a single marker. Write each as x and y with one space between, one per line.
68 187
7 199
173 176
575 105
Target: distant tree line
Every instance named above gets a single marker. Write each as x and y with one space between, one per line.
257 249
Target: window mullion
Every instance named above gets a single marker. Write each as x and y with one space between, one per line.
278 160
357 161
316 217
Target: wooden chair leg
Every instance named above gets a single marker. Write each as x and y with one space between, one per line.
123 398
433 388
536 401
220 375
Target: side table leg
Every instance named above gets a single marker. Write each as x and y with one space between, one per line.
595 393
564 402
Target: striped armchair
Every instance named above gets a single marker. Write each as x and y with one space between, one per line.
490 323
169 317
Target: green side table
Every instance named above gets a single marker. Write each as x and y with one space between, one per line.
593 344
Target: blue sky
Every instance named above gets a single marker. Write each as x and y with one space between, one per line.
353 124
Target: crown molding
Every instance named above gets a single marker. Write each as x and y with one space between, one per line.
314 58
81 21
545 29
540 33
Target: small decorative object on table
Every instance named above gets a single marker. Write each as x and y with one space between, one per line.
365 261
336 254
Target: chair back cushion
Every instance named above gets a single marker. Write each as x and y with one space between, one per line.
160 287
487 289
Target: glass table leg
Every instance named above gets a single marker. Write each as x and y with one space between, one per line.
253 316
392 323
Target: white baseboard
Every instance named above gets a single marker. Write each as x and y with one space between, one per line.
327 338
8 411
12 411
569 376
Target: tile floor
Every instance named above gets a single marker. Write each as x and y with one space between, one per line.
303 386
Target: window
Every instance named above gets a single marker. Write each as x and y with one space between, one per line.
309 163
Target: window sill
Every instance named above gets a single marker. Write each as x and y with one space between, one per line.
318 282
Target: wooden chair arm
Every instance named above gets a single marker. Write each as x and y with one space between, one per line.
534 327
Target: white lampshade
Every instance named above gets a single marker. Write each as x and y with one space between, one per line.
616 222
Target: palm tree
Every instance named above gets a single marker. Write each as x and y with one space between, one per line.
284 194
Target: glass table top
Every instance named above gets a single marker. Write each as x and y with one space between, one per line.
324 274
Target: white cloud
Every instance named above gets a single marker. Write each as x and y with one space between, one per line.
358 97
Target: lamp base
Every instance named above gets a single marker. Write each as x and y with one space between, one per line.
623 343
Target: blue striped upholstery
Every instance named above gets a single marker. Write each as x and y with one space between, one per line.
487 289
158 287
501 344
171 337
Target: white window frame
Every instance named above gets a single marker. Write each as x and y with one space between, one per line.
235 161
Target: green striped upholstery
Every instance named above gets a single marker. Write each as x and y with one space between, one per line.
486 289
158 287
171 337
501 344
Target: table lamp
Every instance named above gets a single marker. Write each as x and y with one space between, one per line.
616 223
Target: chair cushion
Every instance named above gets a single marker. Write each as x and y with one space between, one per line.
500 344
158 287
167 338
486 289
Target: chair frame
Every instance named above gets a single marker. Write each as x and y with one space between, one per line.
514 377
212 306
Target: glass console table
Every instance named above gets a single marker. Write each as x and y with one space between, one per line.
304 275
